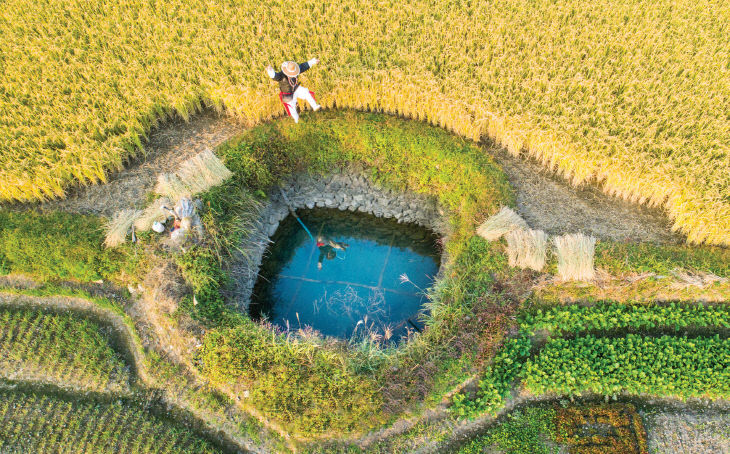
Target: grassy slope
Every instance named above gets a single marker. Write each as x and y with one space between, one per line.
634 97
62 246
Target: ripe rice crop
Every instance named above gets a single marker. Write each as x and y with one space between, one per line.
612 92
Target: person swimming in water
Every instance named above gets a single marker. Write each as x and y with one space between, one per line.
327 249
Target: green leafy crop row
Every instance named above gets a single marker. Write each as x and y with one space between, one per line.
666 365
498 378
606 316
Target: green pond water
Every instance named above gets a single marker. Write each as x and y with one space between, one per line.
375 285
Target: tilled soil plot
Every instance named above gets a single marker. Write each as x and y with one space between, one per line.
688 432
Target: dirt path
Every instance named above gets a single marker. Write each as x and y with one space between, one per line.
545 201
169 145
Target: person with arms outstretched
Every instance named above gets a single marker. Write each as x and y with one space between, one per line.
289 88
327 249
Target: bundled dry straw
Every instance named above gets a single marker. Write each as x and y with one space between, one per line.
500 224
119 226
575 257
196 175
527 248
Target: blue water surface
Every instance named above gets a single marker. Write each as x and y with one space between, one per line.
375 287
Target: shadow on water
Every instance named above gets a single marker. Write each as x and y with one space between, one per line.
375 286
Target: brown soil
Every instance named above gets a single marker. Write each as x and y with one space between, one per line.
544 200
688 432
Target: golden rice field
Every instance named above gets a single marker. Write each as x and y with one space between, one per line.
633 95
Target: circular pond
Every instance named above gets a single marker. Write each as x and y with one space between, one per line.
353 274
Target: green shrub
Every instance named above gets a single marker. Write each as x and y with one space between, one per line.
201 269
308 388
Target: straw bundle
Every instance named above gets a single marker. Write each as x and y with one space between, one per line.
196 175
119 226
575 256
500 224
152 213
527 248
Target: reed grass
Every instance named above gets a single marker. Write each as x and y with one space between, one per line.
629 97
575 257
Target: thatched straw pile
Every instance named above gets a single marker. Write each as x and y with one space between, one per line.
119 226
527 248
575 256
500 224
196 175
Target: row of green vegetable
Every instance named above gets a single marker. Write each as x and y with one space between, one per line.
611 316
677 366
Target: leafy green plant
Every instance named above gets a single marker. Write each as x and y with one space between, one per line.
522 431
607 316
496 381
666 365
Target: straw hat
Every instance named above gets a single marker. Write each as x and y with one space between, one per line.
290 68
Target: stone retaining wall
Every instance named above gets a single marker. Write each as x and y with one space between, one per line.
343 191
